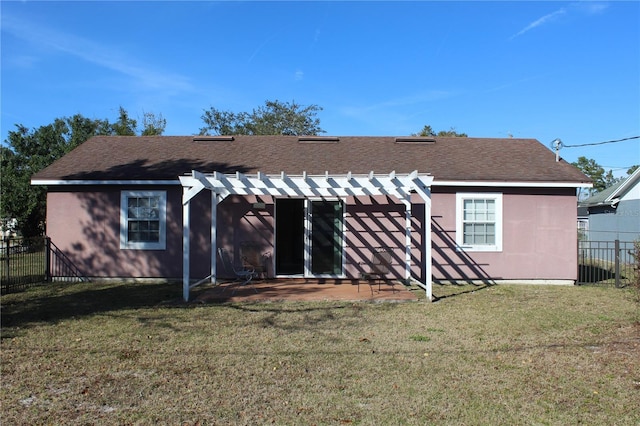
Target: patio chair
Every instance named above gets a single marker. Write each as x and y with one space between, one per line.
253 257
378 269
243 275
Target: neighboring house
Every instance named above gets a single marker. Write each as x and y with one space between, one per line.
8 228
449 209
614 213
583 222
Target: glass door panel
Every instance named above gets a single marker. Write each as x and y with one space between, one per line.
326 227
289 244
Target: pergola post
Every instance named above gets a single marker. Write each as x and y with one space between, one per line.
407 240
428 255
185 245
214 236
425 193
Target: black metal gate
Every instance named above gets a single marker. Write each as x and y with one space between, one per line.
28 261
606 262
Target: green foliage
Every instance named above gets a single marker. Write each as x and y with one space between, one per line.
274 118
427 131
594 170
27 151
153 125
610 180
125 126
419 338
601 179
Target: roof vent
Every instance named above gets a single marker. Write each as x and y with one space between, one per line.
204 138
416 139
318 139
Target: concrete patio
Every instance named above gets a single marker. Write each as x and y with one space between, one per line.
300 289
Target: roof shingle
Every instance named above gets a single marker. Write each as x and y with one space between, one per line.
448 159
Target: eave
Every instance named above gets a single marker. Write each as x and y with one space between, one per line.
436 182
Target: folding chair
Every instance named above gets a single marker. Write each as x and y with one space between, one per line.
243 275
253 257
379 267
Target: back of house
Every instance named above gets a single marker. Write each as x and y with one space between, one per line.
448 209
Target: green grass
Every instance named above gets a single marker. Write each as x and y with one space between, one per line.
133 354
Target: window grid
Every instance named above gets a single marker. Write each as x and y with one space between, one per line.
143 219
479 221
479 216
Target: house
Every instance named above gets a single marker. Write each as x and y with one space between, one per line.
449 209
614 213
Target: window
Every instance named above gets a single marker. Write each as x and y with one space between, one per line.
479 222
143 220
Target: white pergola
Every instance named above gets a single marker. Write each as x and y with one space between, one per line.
400 186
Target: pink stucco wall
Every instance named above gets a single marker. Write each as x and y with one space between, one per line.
240 222
539 237
539 234
85 224
371 223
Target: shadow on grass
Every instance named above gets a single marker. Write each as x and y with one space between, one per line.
446 291
594 274
54 302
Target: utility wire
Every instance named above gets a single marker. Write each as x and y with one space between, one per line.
600 143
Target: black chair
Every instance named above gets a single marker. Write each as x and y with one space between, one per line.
378 269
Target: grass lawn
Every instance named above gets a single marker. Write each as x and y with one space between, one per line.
133 354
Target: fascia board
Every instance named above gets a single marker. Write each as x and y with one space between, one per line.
512 184
54 182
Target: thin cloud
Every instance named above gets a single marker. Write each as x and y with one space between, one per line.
95 53
410 100
521 81
541 21
260 47
394 112
582 7
591 7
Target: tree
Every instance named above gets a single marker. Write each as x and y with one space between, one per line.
152 125
427 131
274 118
594 171
25 152
125 126
610 180
601 179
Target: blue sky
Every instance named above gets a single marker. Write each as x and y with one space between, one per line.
543 70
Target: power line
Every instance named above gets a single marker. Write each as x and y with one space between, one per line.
601 143
615 168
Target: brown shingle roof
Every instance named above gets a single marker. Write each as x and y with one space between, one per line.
448 159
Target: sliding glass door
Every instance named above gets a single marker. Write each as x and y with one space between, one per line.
309 237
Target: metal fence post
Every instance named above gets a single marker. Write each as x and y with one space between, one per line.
617 261
47 259
7 251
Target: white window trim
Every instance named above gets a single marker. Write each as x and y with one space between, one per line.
124 223
460 197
